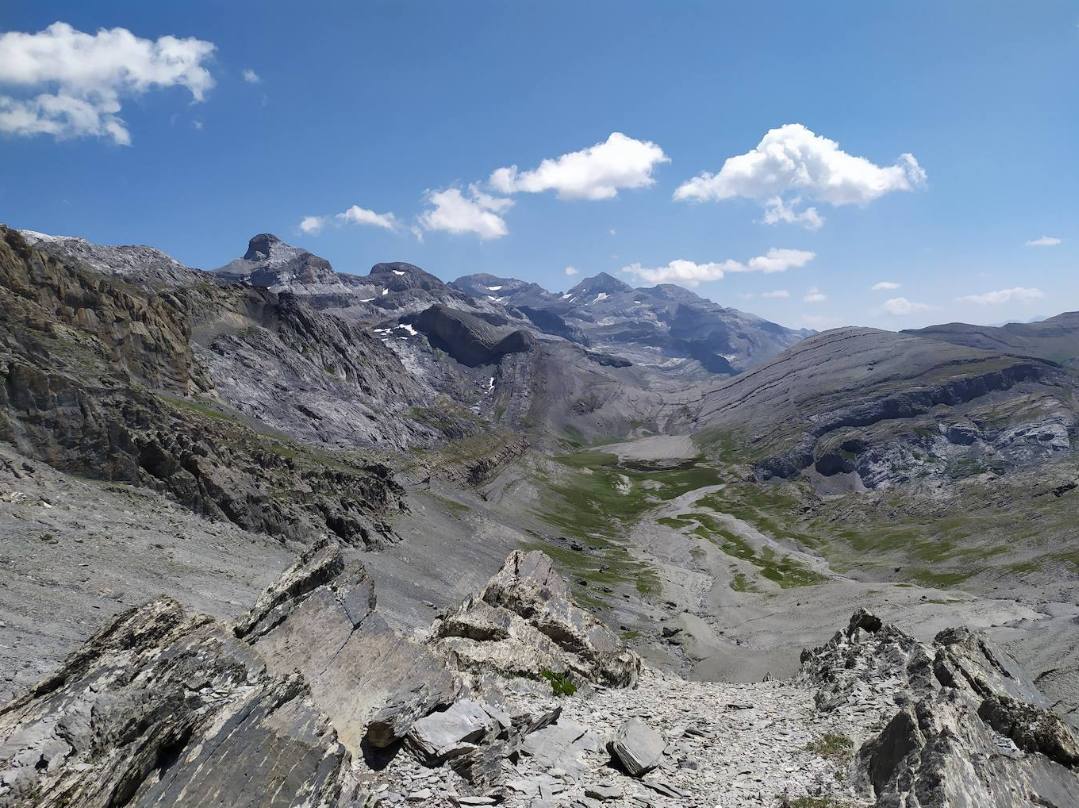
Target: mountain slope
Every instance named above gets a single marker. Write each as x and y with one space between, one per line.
1055 339
665 326
890 406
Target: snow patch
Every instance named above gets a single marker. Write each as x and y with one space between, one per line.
407 327
398 272
600 296
493 288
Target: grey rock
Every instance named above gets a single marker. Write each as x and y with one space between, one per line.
162 708
637 747
452 732
524 622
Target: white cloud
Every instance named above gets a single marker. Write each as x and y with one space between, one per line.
884 286
72 82
1019 294
1044 241
794 161
779 260
776 294
251 77
312 225
570 271
691 273
900 306
815 295
453 212
358 215
776 211
598 172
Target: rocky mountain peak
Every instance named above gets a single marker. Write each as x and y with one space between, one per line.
275 264
603 283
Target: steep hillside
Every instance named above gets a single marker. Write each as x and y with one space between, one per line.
888 408
107 378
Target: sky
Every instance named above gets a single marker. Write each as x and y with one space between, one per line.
820 164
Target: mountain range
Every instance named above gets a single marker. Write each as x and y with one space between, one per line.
589 516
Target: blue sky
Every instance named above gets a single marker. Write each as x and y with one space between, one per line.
390 106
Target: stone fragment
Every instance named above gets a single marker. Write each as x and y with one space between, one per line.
637 747
452 732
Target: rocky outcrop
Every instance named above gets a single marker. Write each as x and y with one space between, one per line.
165 708
320 619
971 729
467 338
524 623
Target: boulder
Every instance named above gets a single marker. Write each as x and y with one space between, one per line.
453 732
637 747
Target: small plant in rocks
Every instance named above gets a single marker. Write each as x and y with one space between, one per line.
561 684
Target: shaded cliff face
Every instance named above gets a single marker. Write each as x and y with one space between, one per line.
890 408
102 377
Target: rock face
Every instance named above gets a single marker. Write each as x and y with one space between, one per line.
524 623
163 708
100 376
970 730
467 338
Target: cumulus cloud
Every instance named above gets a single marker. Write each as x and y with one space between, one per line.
692 273
570 271
312 225
358 215
598 172
900 306
69 84
1019 294
779 260
884 286
793 163
815 295
1044 241
776 294
452 211
251 77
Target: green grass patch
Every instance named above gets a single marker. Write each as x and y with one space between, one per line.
561 684
833 746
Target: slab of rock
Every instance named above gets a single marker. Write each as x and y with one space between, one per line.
165 708
452 732
637 746
319 618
